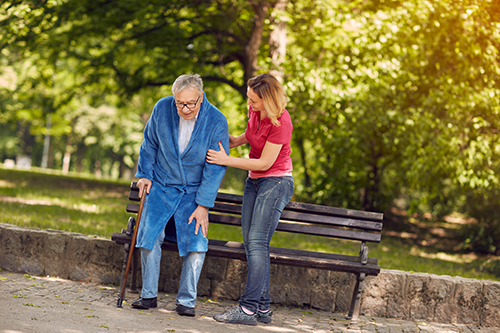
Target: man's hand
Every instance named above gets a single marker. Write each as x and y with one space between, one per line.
200 214
144 182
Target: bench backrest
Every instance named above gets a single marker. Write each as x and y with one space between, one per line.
297 217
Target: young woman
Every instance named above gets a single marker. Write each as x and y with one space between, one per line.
268 189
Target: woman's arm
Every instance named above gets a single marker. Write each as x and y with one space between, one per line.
266 160
235 141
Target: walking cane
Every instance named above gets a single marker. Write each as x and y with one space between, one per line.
131 249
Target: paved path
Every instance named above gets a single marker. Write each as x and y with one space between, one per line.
44 304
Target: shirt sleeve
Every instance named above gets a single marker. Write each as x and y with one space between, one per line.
213 173
282 134
148 150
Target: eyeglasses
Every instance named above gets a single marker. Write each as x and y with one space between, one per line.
190 106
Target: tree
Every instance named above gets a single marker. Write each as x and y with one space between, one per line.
126 49
380 117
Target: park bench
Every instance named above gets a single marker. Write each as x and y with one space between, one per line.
302 218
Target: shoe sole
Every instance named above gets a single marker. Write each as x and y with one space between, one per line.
237 322
186 314
144 307
242 322
264 320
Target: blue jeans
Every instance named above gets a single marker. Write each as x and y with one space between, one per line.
191 269
263 201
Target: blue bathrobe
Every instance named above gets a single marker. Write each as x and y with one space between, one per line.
181 182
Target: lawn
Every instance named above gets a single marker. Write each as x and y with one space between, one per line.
49 200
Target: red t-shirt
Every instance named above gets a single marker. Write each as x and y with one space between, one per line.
281 135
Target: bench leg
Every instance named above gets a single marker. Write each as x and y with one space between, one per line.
356 302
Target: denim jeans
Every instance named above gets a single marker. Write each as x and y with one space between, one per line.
191 269
263 201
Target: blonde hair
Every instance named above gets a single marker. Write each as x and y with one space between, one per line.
270 90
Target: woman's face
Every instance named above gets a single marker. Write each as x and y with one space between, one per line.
254 101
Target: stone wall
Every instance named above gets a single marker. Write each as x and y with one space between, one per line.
392 294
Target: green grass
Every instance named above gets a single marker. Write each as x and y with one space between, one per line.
75 203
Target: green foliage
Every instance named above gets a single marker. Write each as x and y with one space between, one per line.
392 101
483 236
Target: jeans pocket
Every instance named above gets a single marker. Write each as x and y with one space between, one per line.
276 180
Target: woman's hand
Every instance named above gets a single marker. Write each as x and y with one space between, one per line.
235 141
217 157
232 141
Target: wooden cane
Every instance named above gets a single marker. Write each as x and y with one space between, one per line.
131 249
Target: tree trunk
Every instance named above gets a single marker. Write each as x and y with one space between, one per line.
278 40
303 157
69 149
253 45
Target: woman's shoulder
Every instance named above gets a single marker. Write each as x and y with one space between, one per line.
285 119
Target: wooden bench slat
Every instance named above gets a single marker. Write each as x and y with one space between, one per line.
312 208
293 252
334 211
132 208
306 229
329 232
302 217
331 221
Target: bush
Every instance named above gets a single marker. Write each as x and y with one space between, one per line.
483 236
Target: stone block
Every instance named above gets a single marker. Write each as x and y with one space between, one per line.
56 258
170 271
343 284
322 295
103 252
31 266
490 316
383 295
80 249
215 267
323 300
226 289
442 300
417 293
277 293
106 275
11 239
80 273
297 296
469 300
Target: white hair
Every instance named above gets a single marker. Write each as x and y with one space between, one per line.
187 81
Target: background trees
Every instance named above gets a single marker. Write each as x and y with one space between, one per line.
395 103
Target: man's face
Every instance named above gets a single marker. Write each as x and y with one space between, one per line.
188 103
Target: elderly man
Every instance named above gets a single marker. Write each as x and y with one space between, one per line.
181 186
